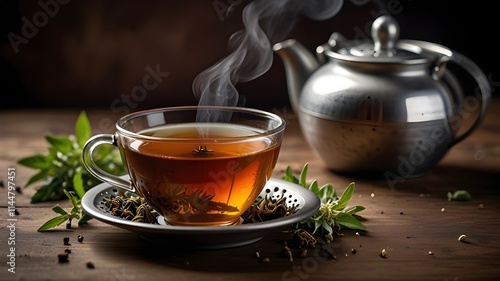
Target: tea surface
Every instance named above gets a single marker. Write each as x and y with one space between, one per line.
197 175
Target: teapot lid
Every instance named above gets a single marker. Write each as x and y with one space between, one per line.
384 48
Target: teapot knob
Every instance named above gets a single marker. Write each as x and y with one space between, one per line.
385 33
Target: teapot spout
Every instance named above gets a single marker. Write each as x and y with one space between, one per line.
299 63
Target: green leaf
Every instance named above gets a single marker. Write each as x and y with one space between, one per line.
59 210
459 195
327 227
327 193
72 197
317 225
345 198
78 184
46 191
37 161
314 187
76 210
348 221
303 175
289 176
53 222
85 218
354 210
44 173
82 129
60 143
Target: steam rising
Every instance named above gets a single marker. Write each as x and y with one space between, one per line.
266 23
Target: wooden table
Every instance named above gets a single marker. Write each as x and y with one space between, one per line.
414 222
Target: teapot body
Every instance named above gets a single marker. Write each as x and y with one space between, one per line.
385 107
390 119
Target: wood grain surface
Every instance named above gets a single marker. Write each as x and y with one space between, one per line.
413 221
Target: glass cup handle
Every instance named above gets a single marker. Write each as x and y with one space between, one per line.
91 166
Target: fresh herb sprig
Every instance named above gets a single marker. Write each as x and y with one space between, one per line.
62 172
62 166
333 212
76 212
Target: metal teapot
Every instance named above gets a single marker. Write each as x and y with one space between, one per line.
382 107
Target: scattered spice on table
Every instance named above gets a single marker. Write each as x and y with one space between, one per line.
462 238
62 257
383 253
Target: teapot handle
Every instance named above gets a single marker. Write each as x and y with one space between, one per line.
484 94
471 68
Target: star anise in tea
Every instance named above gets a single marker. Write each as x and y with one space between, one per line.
201 150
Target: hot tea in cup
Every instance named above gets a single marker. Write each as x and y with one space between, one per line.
196 166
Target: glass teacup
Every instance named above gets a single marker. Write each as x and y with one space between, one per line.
195 165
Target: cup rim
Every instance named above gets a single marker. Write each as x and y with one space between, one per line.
124 132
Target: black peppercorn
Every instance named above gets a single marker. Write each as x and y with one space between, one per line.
80 238
62 257
66 241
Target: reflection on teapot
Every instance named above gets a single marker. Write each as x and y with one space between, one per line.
386 108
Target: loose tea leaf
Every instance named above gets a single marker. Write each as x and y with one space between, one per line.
133 208
268 209
459 195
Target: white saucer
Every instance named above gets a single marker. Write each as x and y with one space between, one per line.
208 237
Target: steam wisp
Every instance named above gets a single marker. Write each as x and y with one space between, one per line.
266 22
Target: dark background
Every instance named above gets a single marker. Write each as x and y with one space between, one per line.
92 52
